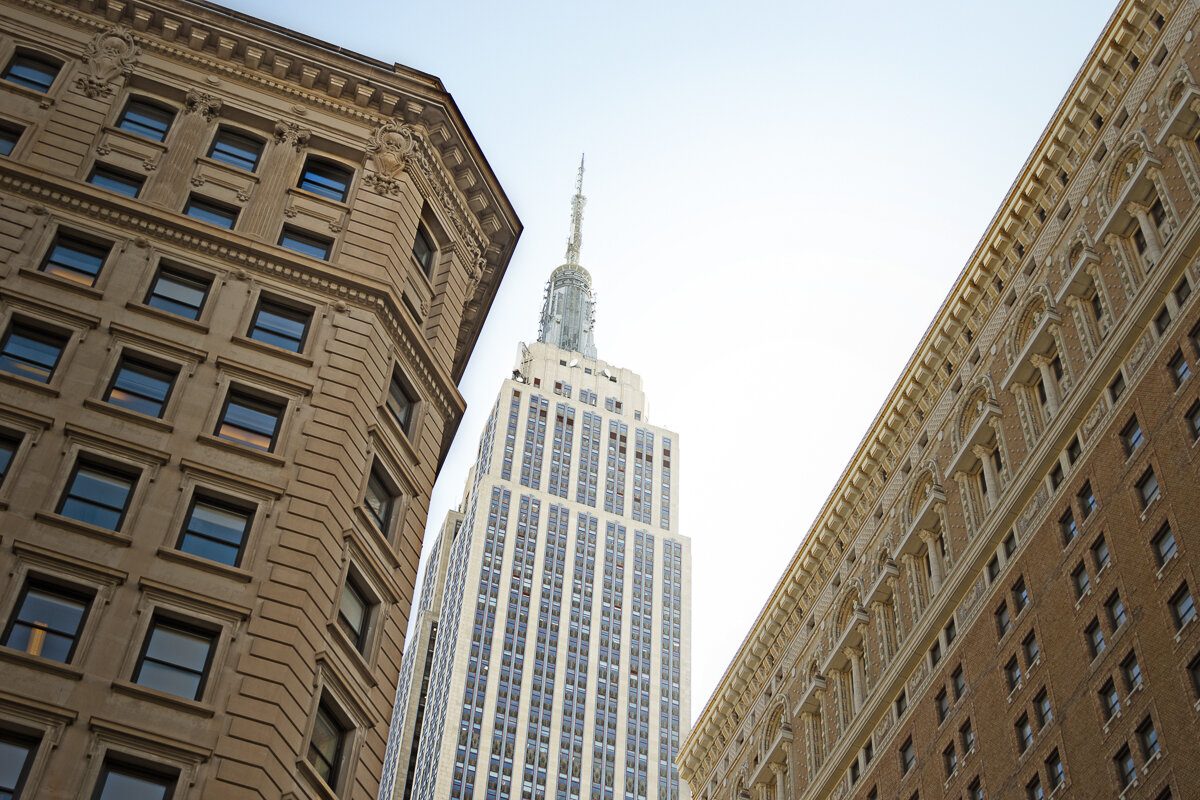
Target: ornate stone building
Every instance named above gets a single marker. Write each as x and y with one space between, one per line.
242 271
998 598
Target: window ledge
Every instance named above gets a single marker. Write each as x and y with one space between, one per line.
314 780
1183 629
377 536
1166 565
360 662
45 100
163 698
27 383
215 567
95 531
62 283
270 349
124 413
1152 761
157 313
343 205
399 434
14 656
249 452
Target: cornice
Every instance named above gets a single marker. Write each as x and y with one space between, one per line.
900 420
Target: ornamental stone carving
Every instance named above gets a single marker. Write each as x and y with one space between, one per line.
203 104
109 55
293 134
388 153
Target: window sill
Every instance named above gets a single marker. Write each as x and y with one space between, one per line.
1183 629
277 352
62 283
157 313
163 698
30 384
1166 565
249 452
215 567
356 657
377 536
314 780
20 657
101 407
95 531
402 437
43 100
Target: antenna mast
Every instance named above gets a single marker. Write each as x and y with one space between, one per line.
577 204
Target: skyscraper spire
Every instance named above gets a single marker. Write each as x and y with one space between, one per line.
569 309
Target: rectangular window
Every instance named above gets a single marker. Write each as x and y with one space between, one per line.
1041 704
31 352
1066 524
326 179
935 653
1131 670
942 704
1024 733
1164 543
1148 738
1020 595
1110 702
211 211
1180 371
305 243
959 682
8 449
1194 672
279 324
216 530
1117 387
901 703
1095 638
97 495
1074 450
10 134
117 181
77 259
1055 772
950 632
1033 650
908 756
1147 487
967 734
1012 673
32 72
1117 613
1087 500
236 149
380 499
975 790
401 402
1100 553
1183 607
1033 789
993 568
1079 577
145 118
1163 321
1003 619
1131 435
179 293
250 421
141 387
1126 769
950 759
1057 476
46 621
16 756
354 612
175 658
423 251
326 744
1193 418
119 781
1183 290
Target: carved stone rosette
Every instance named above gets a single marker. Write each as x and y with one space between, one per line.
203 104
290 132
108 55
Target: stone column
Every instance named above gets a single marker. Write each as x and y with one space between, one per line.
1149 230
989 473
880 617
1048 381
857 684
780 772
935 560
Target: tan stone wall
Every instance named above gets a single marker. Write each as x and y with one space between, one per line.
278 649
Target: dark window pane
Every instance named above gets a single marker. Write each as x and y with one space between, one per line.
175 659
32 72
249 421
215 531
8 449
279 325
178 293
211 212
400 403
146 119
324 748
120 782
75 259
423 251
379 500
236 149
326 179
140 387
10 134
30 352
46 622
97 496
305 243
114 180
16 754
353 612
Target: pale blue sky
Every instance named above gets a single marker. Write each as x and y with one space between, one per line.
779 197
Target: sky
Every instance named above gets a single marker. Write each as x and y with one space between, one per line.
780 195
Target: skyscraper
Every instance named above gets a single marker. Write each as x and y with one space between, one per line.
550 657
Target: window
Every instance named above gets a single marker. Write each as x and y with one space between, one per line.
1194 671
1147 487
116 180
1158 213
935 652
140 386
211 211
1087 499
308 244
1003 619
236 149
1163 321
97 494
950 759
32 72
1193 418
1100 553
1079 577
401 402
993 568
354 612
175 658
950 632
1117 613
975 790
1131 435
31 352
179 293
380 499
423 251
1033 789
120 781
10 134
1020 595
1010 545
1180 370
1054 770
1033 650
77 259
1097 306
942 703
1012 673
1095 638
8 449
326 744
279 324
1066 524
216 530
1057 476
1074 450
1131 670
1110 702
1117 387
1164 544
959 682
326 179
1183 607
901 703
250 421
16 756
967 734
1126 769
1041 704
145 118
908 756
1024 733
47 620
